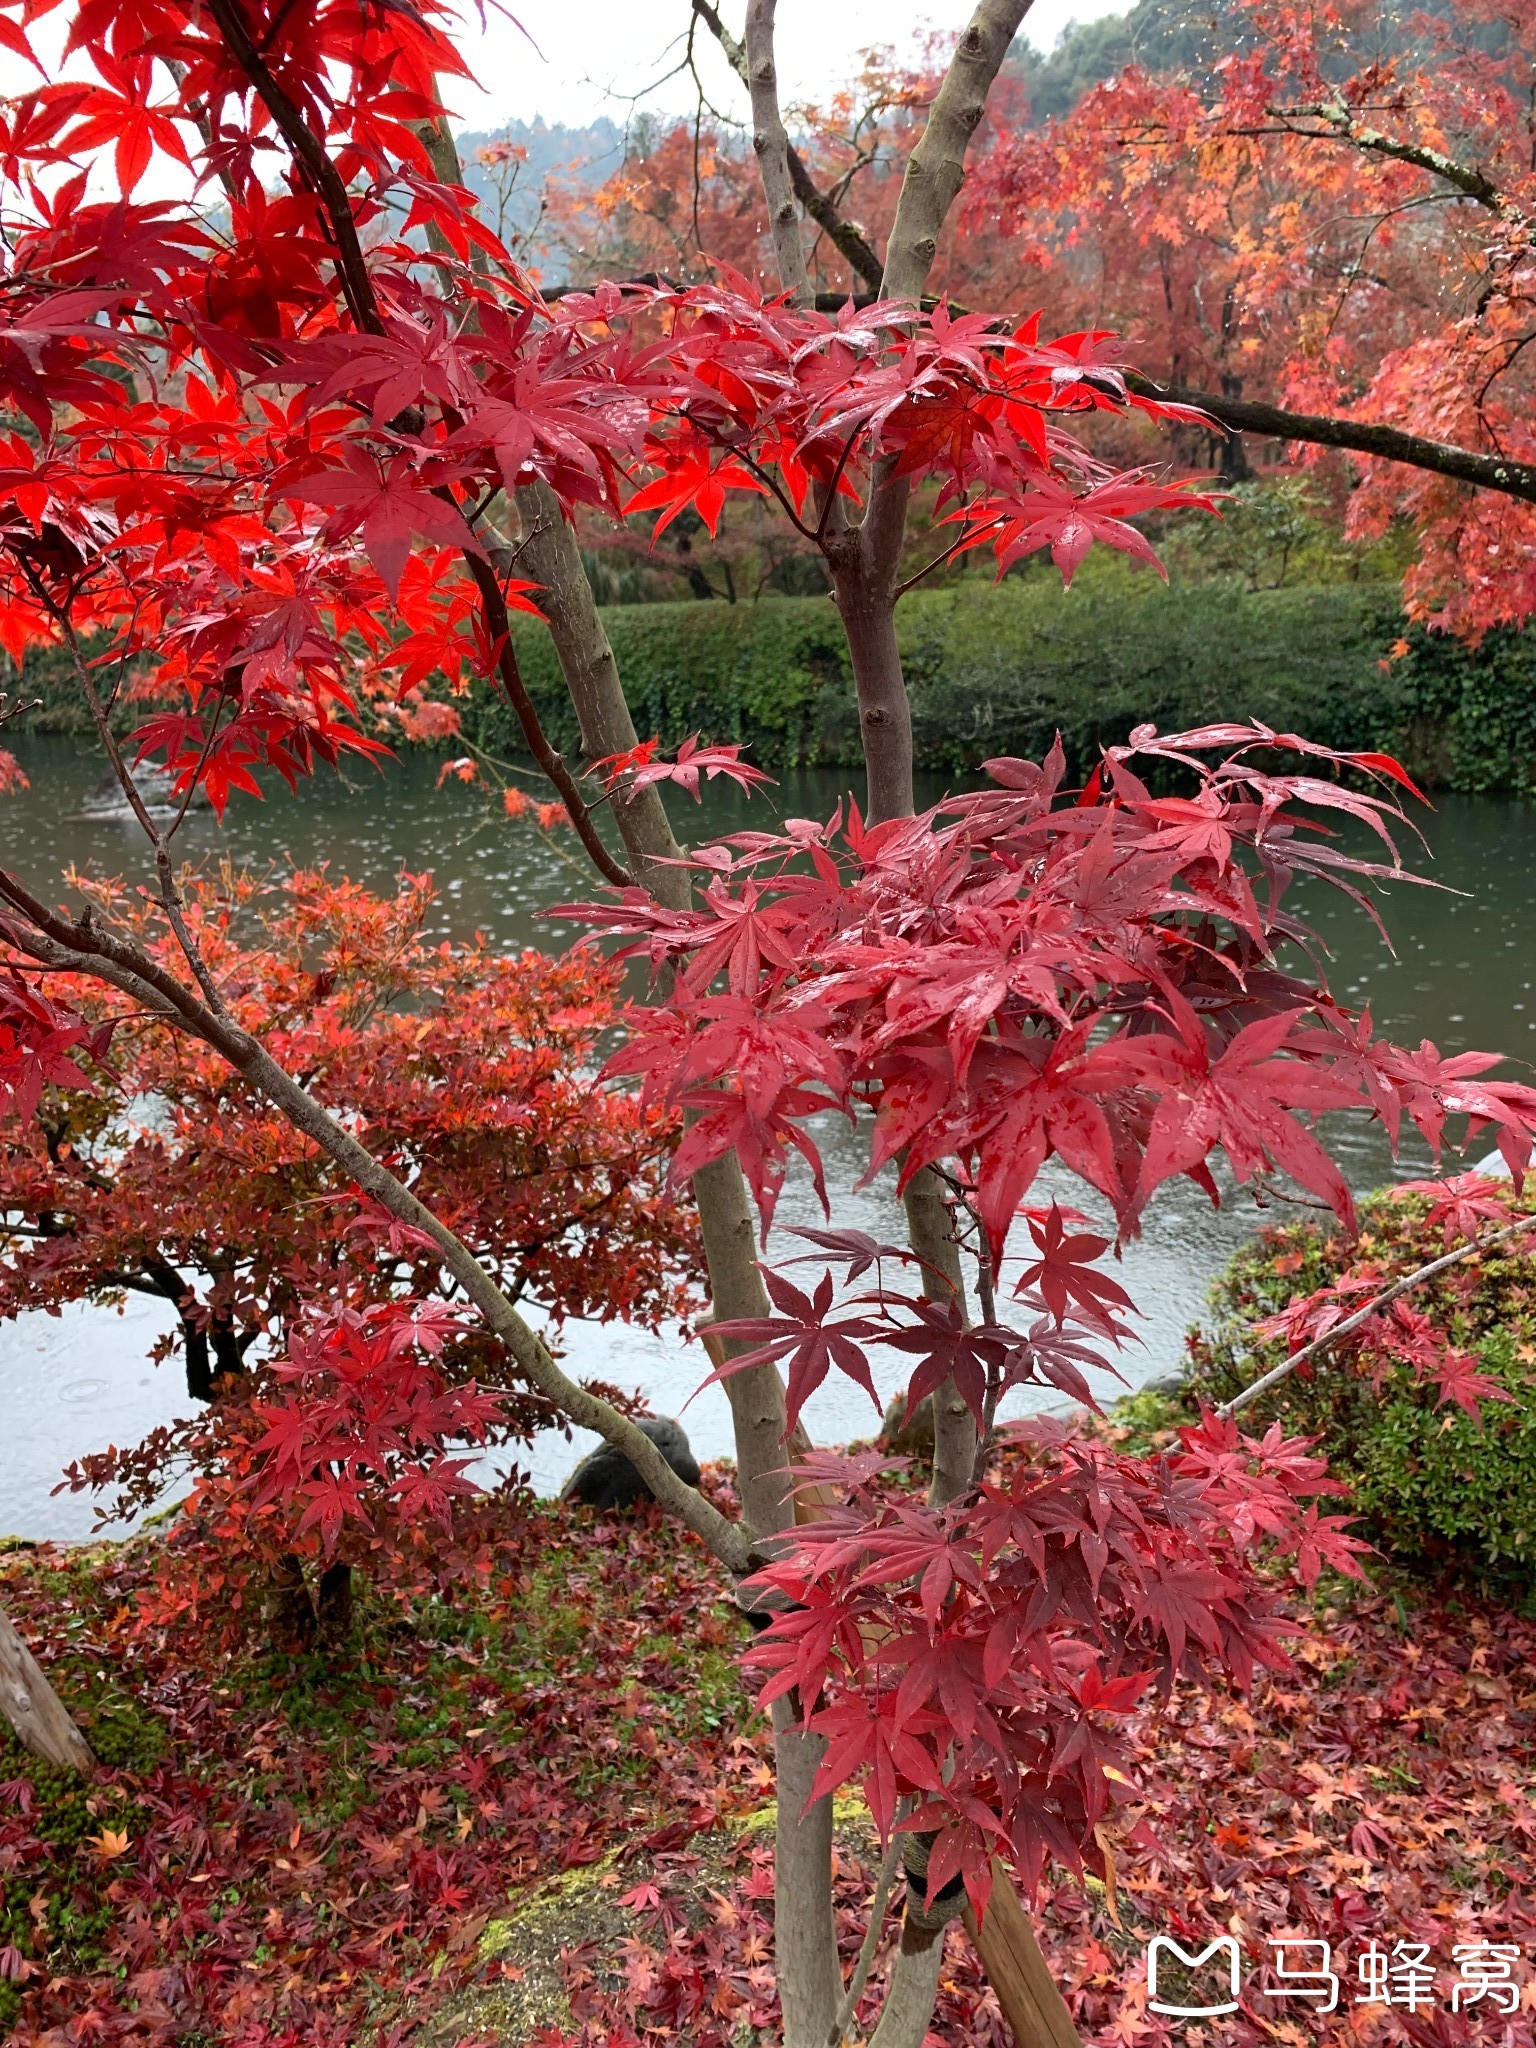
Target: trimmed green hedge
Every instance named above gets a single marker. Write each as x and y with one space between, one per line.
1002 670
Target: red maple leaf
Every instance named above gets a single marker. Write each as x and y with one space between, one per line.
388 505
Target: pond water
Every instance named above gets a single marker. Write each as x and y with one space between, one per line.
1462 974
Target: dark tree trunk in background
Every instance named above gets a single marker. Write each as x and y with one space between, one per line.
290 1611
1233 451
333 1608
199 1363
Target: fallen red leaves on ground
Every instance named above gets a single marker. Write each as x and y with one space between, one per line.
293 1853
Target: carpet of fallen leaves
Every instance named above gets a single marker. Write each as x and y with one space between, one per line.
281 1855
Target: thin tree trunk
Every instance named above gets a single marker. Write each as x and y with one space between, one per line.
38 1716
290 1612
772 146
806 1943
864 563
930 1232
909 2000
552 559
936 168
805 1934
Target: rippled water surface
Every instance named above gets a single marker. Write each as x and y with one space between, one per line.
1462 975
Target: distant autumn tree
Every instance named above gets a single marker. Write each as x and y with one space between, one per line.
1319 220
466 1072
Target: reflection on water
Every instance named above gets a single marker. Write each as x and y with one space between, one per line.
1462 974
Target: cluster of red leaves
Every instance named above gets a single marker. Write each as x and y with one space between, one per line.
465 1070
252 458
979 1660
39 1043
364 1421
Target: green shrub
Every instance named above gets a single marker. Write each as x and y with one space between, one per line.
1435 1488
1002 670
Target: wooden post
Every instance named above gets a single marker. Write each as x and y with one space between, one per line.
1032 2003
34 1709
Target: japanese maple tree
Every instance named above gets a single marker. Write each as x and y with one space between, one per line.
467 1070
142 1169
303 443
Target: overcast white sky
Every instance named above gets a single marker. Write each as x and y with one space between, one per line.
577 53
573 60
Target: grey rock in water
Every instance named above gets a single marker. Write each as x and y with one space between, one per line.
1170 1386
156 790
606 1479
903 1439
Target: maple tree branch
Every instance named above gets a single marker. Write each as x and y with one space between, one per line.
772 485
1389 444
1373 1307
771 145
938 561
841 233
310 154
1341 127
936 168
80 946
931 1234
170 895
499 628
829 493
870 1946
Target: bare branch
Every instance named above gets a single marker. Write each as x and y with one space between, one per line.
494 605
1390 444
772 146
870 1947
1341 126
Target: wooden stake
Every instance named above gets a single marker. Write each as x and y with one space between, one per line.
1032 2003
34 1709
